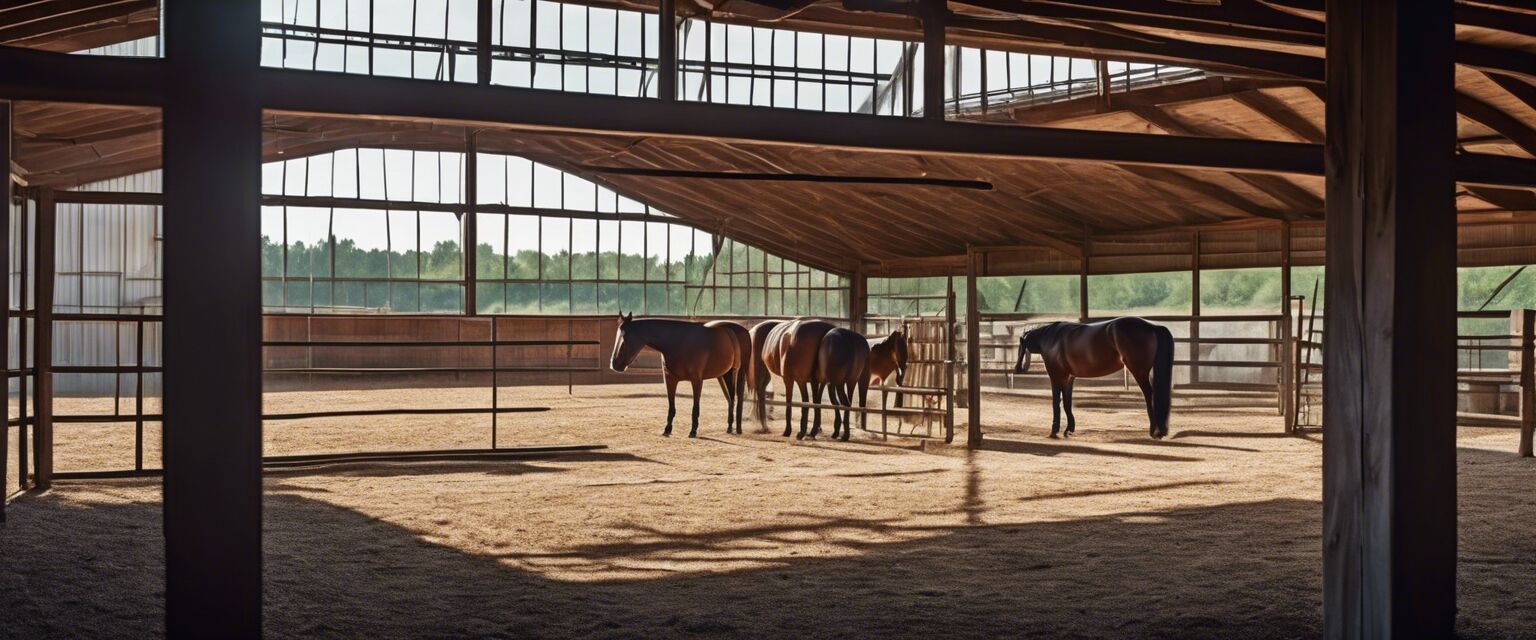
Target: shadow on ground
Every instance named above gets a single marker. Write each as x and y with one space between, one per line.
74 570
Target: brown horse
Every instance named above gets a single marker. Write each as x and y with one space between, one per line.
694 352
788 350
888 356
842 362
1073 350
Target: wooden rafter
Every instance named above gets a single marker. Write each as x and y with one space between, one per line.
1276 187
1231 20
1504 124
1281 114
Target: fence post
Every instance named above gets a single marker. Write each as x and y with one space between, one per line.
1194 308
42 344
1527 380
1287 353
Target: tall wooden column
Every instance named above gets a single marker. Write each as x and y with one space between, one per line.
972 350
5 294
666 64
858 300
1287 348
1082 283
1194 310
1389 449
469 223
933 14
212 344
42 338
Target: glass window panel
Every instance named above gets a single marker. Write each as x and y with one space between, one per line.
523 256
584 250
557 236
489 297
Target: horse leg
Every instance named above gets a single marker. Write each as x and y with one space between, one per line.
698 385
1066 404
805 412
834 391
816 391
1055 407
728 387
847 391
1144 381
863 386
671 383
741 394
789 409
842 401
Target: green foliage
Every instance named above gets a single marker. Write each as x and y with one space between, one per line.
530 282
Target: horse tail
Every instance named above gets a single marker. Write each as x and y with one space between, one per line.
1162 382
758 377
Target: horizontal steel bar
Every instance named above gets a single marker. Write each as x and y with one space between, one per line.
398 370
398 412
426 343
286 462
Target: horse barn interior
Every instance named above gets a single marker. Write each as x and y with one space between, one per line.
260 385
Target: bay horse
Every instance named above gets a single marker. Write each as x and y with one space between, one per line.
788 349
1074 350
888 356
842 363
694 352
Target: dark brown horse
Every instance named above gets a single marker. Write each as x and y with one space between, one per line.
694 352
842 363
1073 350
888 360
788 349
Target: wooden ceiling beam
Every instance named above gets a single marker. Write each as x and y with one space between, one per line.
1230 26
1520 133
531 109
1230 60
67 22
1522 90
1304 203
1281 114
1198 89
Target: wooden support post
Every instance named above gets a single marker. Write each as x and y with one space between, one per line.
1287 349
972 350
949 359
1194 311
1082 283
469 220
212 326
1389 451
483 24
5 296
1102 69
933 13
666 66
42 340
858 300
1527 381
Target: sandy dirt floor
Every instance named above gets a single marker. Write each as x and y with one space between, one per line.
1211 533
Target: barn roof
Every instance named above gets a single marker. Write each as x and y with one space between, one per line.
915 212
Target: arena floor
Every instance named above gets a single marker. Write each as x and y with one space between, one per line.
1211 533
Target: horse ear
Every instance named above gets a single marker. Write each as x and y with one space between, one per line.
629 317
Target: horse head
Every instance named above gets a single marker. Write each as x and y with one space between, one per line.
627 343
1028 344
898 342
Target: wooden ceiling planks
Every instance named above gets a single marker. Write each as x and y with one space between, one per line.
1052 208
